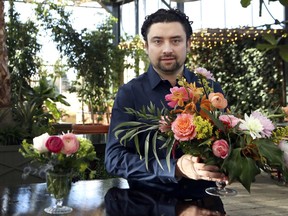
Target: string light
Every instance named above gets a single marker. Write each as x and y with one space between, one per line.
209 38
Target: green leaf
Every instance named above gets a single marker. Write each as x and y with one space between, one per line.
283 52
270 151
146 149
170 144
245 3
265 47
216 121
270 39
154 145
136 142
284 2
241 168
128 123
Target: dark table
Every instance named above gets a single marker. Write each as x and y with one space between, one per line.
104 197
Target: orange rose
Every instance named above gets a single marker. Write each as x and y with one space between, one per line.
218 101
183 127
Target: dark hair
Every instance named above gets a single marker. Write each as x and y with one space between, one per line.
169 15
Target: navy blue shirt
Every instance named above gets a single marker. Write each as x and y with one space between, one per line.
124 161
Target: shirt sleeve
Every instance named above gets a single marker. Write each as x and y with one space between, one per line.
124 161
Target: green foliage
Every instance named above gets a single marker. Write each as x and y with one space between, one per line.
33 106
23 47
97 60
271 43
250 79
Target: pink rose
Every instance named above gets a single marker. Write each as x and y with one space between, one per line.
39 143
183 127
220 148
54 144
71 144
229 120
217 100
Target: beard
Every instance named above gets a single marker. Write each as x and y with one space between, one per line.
169 69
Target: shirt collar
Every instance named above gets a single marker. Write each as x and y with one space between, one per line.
155 79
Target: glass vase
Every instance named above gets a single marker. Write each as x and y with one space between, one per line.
58 185
221 190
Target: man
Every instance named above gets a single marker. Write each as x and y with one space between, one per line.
167 41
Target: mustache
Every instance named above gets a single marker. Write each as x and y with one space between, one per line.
167 56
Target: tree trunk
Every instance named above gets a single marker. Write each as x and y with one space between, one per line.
5 88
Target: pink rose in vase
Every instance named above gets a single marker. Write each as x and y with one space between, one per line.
220 148
71 144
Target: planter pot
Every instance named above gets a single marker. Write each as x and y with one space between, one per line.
97 133
62 128
90 128
12 165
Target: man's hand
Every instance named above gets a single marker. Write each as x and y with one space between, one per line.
191 167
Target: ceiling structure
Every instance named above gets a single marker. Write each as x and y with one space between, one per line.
113 7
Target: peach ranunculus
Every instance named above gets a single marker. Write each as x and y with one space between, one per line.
178 96
54 144
218 101
230 120
71 143
39 143
183 127
220 148
163 125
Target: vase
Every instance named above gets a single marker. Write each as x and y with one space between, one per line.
221 190
58 185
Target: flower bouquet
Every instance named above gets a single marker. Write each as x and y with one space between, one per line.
64 158
200 123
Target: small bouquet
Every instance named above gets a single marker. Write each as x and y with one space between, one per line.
200 123
62 154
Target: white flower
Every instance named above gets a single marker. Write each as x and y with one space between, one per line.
283 145
39 143
253 125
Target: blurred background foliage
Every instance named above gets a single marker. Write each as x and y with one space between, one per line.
251 79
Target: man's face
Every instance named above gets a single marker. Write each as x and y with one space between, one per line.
167 47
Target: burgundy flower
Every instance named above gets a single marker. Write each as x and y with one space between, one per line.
54 144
